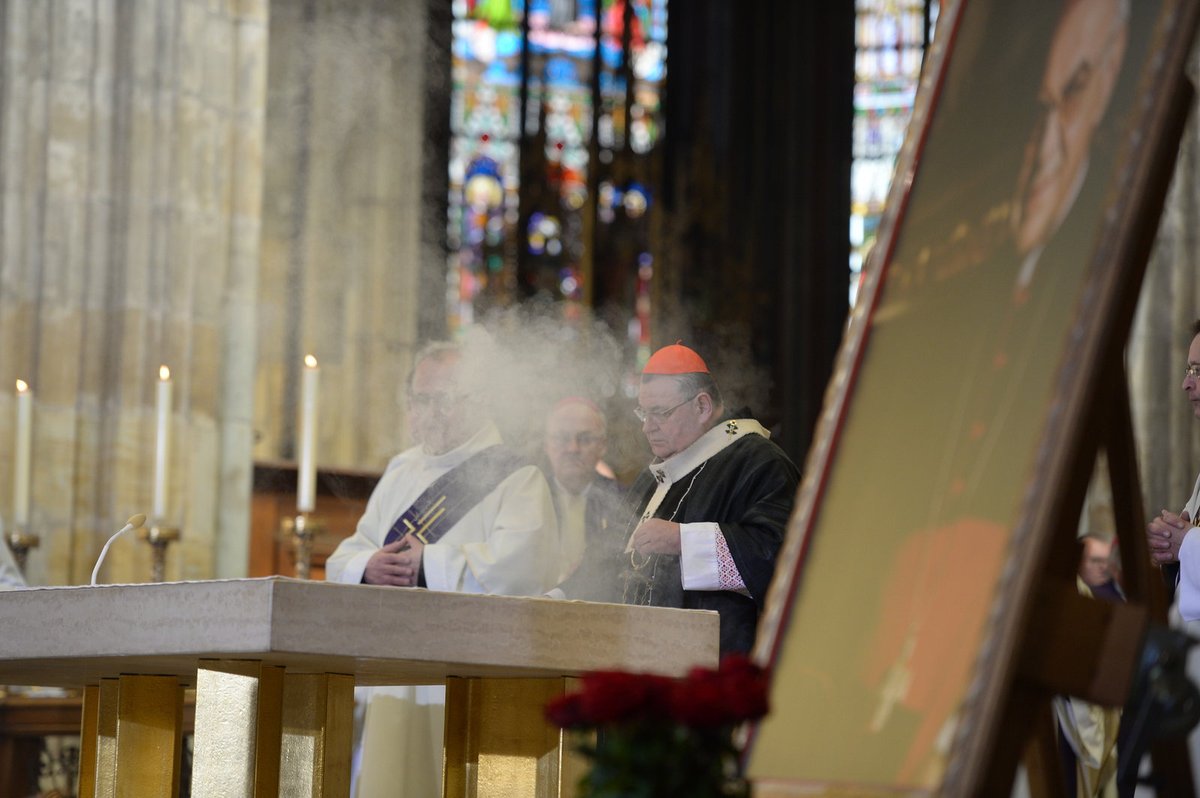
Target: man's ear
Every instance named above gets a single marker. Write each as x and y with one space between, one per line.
705 403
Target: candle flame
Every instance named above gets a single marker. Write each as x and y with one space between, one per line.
310 361
164 373
22 386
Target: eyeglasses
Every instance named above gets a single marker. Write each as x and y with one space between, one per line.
437 399
659 416
1192 371
583 440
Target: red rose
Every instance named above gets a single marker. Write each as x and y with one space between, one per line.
616 696
746 688
699 701
735 692
566 711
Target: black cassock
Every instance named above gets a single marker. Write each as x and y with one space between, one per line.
748 488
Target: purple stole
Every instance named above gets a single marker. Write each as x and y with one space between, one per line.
453 494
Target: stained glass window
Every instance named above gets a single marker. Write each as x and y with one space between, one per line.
554 102
891 37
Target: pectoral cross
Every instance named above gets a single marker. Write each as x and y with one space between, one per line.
895 686
435 511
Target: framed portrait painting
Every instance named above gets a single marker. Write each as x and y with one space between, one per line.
1034 164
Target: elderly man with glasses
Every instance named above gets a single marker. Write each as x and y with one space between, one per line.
588 503
710 512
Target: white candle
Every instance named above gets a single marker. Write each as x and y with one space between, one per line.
306 489
24 447
162 443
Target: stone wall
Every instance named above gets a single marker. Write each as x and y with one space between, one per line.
130 196
345 250
175 190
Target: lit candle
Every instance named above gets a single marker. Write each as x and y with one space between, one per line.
162 442
24 447
306 489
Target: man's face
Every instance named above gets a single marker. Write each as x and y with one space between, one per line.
673 420
1191 385
1094 570
1081 69
575 442
437 411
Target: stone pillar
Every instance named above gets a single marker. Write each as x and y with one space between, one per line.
343 224
239 333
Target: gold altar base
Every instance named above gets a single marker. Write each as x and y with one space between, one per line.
20 541
499 743
317 735
132 737
301 530
159 537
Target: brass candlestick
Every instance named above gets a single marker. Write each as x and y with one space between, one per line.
159 536
20 541
302 529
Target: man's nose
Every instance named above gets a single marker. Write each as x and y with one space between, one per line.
1053 143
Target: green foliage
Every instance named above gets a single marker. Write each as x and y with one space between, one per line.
656 759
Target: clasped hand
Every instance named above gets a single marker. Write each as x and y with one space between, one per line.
656 536
1165 534
398 563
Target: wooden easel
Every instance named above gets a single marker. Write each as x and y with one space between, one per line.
1080 647
1072 645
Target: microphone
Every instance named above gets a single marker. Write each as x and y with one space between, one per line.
134 523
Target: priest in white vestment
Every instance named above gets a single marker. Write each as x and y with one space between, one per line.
457 512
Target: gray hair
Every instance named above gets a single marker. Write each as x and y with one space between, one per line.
435 350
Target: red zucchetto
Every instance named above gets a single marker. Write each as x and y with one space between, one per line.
675 359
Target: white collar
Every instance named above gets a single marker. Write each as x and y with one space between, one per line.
1030 262
682 463
487 435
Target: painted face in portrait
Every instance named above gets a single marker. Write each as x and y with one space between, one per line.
575 442
439 415
1084 60
671 419
1191 383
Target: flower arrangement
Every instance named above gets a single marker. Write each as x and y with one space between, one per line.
658 736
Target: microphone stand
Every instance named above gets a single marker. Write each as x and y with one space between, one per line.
159 536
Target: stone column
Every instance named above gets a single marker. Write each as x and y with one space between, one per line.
239 339
344 238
